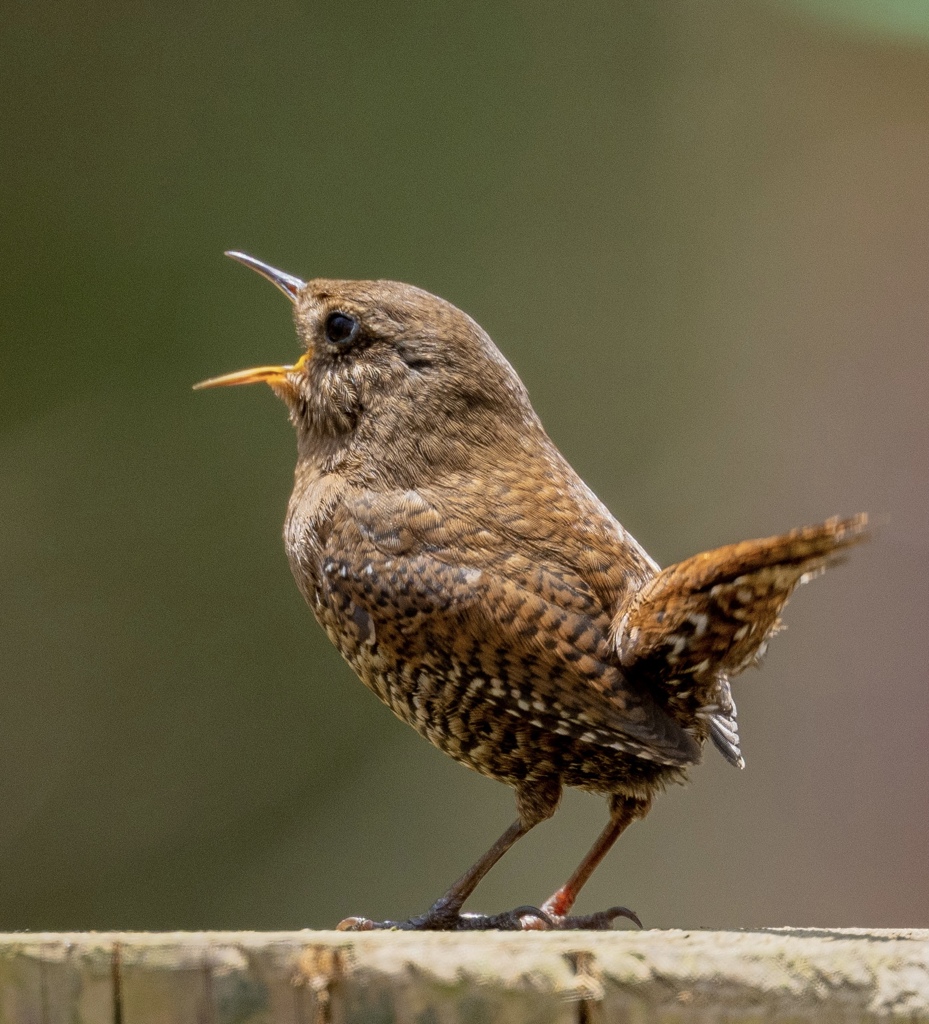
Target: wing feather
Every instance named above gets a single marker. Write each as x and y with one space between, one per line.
529 637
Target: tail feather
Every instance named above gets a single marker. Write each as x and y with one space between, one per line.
722 722
724 732
713 614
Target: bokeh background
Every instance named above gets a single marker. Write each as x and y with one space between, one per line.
701 233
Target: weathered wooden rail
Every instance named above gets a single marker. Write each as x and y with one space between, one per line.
543 978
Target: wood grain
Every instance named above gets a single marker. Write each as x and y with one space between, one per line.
544 978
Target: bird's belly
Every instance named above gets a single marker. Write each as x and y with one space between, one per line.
461 712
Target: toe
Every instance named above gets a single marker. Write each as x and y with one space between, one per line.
355 924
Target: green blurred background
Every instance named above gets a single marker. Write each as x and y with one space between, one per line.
701 233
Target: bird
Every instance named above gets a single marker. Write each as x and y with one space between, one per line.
482 591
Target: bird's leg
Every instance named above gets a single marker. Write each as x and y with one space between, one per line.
623 812
534 805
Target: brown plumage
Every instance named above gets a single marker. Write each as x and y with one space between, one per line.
483 592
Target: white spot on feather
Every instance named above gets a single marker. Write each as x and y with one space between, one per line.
700 621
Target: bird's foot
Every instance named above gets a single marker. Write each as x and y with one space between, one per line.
443 918
522 919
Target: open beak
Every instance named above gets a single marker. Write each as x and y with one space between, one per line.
290 286
273 375
260 374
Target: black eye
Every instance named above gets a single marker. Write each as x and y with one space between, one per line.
341 328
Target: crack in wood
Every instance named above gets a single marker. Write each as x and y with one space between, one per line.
589 982
116 970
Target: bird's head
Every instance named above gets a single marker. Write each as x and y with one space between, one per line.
391 377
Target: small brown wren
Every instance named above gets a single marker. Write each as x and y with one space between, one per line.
477 585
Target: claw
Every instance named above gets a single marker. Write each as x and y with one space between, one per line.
600 921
